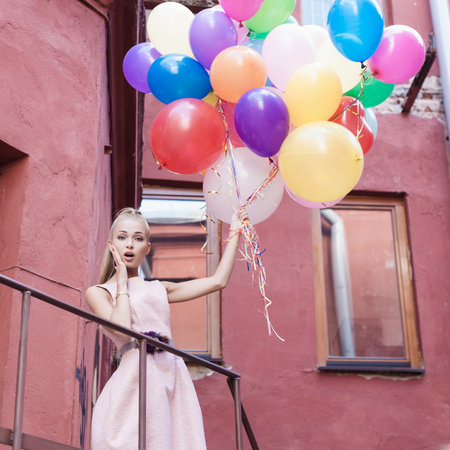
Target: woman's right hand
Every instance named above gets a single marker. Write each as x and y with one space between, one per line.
121 268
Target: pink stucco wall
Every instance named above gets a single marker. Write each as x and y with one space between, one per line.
55 210
55 204
289 403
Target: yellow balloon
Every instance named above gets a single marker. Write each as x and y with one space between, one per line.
349 72
313 93
321 161
168 28
211 99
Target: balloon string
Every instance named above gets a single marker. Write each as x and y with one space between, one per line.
363 78
253 256
252 253
360 95
357 113
204 248
230 150
273 172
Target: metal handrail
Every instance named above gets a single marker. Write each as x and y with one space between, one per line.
27 292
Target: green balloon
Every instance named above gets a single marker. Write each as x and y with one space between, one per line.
271 14
253 35
375 91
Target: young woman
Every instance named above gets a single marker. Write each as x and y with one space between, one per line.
174 418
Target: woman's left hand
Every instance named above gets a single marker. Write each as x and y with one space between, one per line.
238 218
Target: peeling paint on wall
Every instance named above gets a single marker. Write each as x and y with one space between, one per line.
429 103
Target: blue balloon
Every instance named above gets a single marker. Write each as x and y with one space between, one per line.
175 76
356 27
255 44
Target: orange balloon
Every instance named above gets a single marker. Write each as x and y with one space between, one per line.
235 71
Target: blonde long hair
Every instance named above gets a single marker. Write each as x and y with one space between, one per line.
107 268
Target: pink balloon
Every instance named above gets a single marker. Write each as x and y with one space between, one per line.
308 204
287 48
399 56
219 186
241 9
242 33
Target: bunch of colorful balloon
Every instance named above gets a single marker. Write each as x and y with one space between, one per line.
280 91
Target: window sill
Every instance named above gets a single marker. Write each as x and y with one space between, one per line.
367 367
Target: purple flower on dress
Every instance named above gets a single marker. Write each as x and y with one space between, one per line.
153 334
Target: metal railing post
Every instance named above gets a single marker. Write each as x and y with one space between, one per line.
18 438
142 393
236 382
21 370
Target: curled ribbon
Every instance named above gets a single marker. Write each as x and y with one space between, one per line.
251 247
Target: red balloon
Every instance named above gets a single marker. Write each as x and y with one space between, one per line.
228 110
187 136
351 115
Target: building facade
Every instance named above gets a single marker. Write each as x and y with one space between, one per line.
75 148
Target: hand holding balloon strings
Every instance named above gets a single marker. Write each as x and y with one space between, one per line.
252 252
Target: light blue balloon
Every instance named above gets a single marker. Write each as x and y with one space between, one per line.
175 76
372 121
255 44
356 27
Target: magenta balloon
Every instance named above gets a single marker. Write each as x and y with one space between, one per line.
262 121
399 56
241 9
136 64
308 204
211 32
242 34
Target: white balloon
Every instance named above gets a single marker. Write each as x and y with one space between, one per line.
286 48
318 34
219 186
349 72
168 28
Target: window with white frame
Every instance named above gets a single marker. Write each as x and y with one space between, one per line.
315 12
185 245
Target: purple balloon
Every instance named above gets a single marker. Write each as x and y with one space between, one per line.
262 121
211 32
136 63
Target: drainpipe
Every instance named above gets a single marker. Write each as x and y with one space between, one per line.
440 16
341 281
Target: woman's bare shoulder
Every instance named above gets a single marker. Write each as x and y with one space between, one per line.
96 293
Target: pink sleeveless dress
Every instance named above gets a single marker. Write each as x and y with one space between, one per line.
174 420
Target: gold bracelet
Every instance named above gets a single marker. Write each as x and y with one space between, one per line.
122 293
